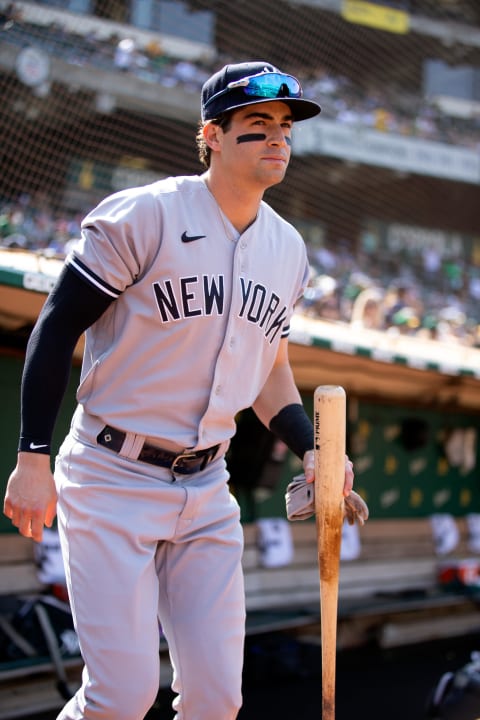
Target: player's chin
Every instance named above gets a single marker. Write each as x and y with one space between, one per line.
275 173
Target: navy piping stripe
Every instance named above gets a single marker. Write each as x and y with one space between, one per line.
75 264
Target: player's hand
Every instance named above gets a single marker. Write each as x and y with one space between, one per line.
31 497
309 470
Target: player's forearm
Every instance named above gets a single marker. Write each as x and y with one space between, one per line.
280 408
279 390
72 306
44 381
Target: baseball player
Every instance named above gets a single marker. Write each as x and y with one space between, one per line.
185 289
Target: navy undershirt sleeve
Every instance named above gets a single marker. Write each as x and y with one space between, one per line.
72 306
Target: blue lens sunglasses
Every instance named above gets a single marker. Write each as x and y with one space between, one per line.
264 85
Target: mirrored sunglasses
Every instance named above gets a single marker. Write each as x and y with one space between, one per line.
268 85
264 85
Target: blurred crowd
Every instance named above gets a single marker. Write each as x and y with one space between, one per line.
383 108
424 295
30 224
388 109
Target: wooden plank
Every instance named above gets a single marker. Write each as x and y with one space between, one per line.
27 699
394 634
396 528
399 605
307 554
15 548
292 585
21 669
26 696
270 599
378 539
259 621
19 578
374 579
396 556
301 532
250 558
389 551
290 577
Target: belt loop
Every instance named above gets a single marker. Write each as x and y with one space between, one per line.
132 445
137 445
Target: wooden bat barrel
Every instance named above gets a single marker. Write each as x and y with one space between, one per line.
329 445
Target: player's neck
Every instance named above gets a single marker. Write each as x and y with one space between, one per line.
240 207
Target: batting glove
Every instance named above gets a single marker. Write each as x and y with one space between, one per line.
300 502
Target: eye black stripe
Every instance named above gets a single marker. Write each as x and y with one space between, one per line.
251 137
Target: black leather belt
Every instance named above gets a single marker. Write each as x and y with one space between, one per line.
184 463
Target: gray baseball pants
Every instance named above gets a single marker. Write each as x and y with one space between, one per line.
141 550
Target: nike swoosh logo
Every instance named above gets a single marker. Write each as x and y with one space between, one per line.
34 446
191 238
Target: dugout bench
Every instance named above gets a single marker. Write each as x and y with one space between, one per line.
389 595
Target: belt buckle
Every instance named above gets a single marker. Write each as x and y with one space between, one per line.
185 455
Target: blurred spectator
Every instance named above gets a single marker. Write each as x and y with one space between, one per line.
321 298
35 227
124 57
367 309
11 14
404 321
325 259
432 263
402 305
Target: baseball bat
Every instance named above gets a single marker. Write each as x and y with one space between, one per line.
329 448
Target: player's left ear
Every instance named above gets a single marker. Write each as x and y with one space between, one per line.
211 133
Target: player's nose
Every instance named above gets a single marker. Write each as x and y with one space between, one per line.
276 136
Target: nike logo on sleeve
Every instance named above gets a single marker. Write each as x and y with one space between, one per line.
190 238
34 446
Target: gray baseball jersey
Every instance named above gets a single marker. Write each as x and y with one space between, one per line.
193 340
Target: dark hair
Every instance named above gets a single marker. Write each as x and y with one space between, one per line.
204 152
